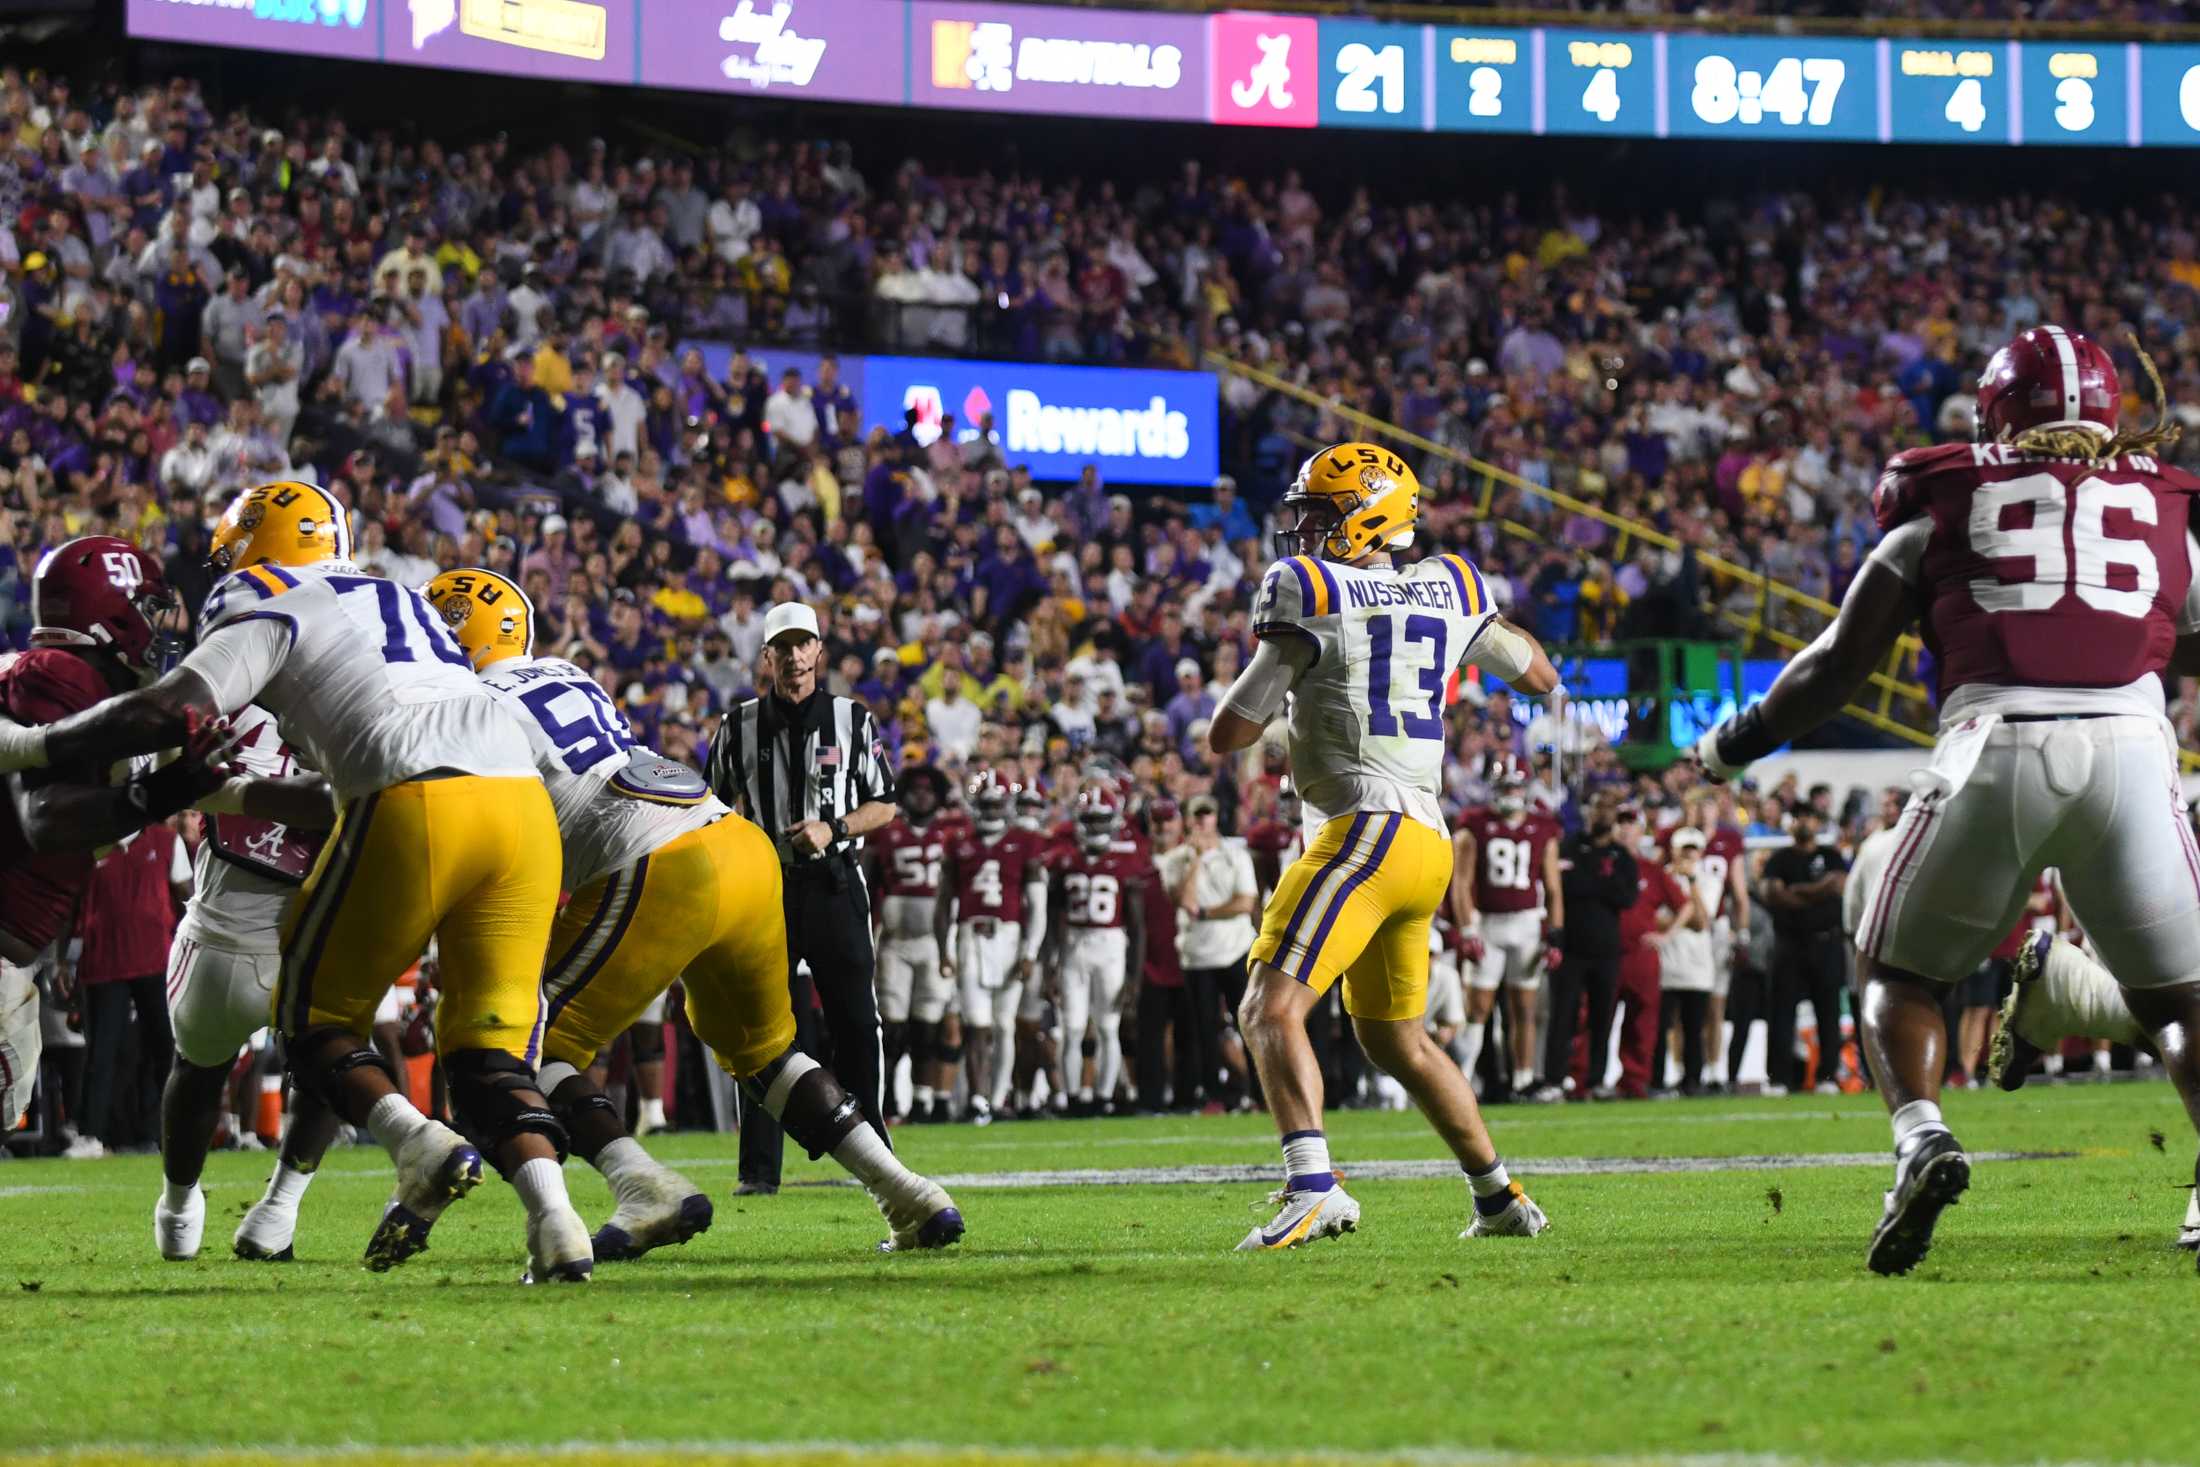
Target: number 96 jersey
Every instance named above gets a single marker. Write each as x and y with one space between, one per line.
617 801
1378 646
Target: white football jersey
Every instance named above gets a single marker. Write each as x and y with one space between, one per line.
233 906
1367 715
369 685
616 800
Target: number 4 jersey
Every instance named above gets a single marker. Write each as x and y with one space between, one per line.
1377 647
370 687
2046 585
617 801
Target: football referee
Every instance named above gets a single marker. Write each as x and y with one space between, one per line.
806 766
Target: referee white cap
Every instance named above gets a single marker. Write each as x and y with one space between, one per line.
789 616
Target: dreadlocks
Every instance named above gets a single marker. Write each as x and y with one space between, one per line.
2078 443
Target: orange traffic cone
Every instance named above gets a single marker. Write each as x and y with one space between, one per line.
269 1120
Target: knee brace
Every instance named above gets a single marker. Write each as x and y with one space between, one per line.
485 1086
319 1058
806 1100
590 1119
646 1042
1088 1047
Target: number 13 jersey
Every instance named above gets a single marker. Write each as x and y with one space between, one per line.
367 682
1377 646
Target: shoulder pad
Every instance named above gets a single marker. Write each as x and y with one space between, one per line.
238 593
47 684
1295 590
1900 494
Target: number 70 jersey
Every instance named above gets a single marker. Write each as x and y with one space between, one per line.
1367 716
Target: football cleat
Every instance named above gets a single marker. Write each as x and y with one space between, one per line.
1305 1217
929 1221
1930 1174
1520 1219
980 1112
664 1208
558 1249
2009 1061
435 1167
178 1233
264 1234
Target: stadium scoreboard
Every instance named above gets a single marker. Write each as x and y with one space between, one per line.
1253 68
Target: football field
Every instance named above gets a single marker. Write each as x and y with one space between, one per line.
1701 1296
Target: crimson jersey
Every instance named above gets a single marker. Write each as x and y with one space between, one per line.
909 858
2035 572
37 892
1274 838
1655 887
1098 885
990 874
1508 859
1722 852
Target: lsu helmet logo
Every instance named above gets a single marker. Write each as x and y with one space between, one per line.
488 613
1352 499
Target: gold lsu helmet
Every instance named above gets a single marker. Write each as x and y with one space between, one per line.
285 523
488 613
1351 499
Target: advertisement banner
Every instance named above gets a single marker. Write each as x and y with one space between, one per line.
1139 427
837 50
577 40
1267 70
351 29
1031 58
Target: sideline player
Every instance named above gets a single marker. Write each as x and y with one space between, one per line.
1103 921
905 856
667 883
445 832
103 621
1505 891
993 910
1363 649
2052 565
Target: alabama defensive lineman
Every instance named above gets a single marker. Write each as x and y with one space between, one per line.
1362 649
2052 567
905 857
1505 892
1097 880
990 922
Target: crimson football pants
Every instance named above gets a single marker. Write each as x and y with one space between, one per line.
1638 1024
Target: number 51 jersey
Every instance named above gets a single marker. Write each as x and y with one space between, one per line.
367 682
1367 716
617 800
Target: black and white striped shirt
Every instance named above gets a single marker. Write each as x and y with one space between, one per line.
780 764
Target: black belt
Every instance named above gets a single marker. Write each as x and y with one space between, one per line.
2054 717
833 868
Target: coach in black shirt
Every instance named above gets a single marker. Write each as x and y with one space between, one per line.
808 768
1598 878
1803 884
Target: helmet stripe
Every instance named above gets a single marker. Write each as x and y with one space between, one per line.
2067 356
339 519
528 603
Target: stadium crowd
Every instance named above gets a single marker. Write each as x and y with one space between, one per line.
480 346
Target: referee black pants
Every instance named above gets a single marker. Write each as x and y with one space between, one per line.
829 927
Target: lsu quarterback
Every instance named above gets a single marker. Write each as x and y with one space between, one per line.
444 830
1360 649
666 881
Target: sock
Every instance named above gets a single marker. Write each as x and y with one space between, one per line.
1472 1036
624 1164
1306 1162
871 1162
1523 1080
541 1185
653 1114
393 1120
2077 996
175 1196
287 1187
1917 1116
920 1096
2101 1061
1492 1189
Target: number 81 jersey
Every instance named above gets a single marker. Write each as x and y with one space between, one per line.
1367 715
616 800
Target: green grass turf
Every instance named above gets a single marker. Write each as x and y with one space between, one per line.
1663 1314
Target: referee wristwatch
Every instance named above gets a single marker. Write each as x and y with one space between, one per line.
839 828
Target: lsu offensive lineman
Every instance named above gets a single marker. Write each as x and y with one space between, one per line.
445 832
666 881
1361 649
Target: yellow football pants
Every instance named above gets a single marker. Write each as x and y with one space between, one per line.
1358 903
705 906
469 860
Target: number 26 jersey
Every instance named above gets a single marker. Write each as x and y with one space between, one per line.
1367 713
367 682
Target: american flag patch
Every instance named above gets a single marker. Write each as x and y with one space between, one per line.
828 758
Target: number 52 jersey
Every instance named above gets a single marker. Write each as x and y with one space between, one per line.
1367 714
367 682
